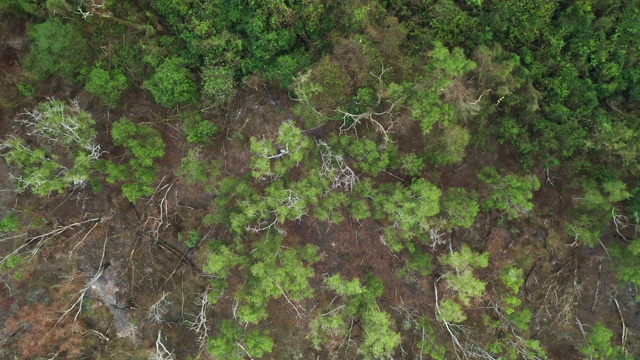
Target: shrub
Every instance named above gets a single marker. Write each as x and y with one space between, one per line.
108 86
198 130
144 145
172 84
58 49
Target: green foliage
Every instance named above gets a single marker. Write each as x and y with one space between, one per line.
419 262
449 145
510 194
430 345
234 343
599 345
409 209
58 49
452 25
379 340
460 278
497 69
521 319
269 271
198 130
370 157
330 207
533 20
461 207
423 95
20 7
9 223
412 164
325 86
108 86
594 210
218 83
512 278
65 155
26 89
195 171
291 148
191 239
172 84
144 145
626 263
13 261
450 311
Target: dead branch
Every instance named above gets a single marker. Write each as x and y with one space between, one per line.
82 293
619 222
180 256
334 166
199 324
161 351
38 241
624 326
158 310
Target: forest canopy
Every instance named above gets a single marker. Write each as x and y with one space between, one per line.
362 179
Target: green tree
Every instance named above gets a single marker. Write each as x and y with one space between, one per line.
599 345
291 147
409 211
510 194
58 49
144 145
108 86
379 340
461 207
234 343
218 83
268 271
460 278
596 209
626 262
64 154
172 84
198 129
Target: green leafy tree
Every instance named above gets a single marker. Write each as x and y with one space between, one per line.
218 83
460 278
379 340
291 147
198 130
599 345
65 151
626 262
234 343
510 194
9 223
144 145
107 85
172 84
461 207
450 145
596 209
423 96
370 157
408 210
58 49
268 271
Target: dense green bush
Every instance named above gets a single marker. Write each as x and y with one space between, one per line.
108 86
144 145
172 84
58 48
